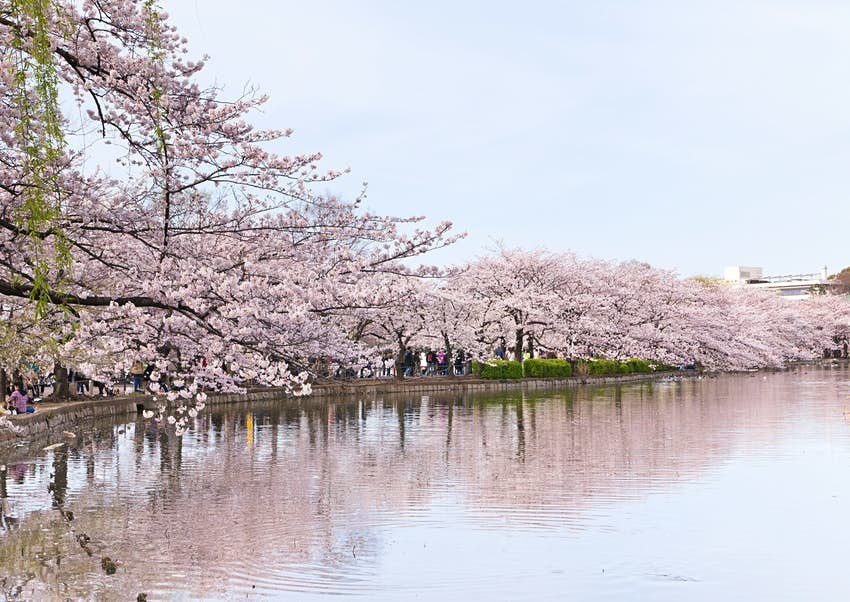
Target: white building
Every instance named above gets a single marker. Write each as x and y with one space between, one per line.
792 286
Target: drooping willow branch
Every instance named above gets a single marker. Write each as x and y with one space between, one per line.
39 130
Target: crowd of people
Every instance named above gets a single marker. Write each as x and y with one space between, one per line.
416 362
25 392
427 362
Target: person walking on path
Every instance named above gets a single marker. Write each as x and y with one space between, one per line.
408 363
137 371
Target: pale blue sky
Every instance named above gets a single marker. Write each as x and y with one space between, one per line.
691 135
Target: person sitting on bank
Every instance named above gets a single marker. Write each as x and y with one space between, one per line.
18 401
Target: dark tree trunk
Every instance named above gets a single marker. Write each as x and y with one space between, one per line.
520 338
399 359
399 363
61 390
449 362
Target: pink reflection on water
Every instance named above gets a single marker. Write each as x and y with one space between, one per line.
404 497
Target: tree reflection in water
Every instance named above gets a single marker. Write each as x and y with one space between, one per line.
308 495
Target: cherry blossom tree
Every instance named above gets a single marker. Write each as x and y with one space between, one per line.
203 253
515 294
586 308
450 320
398 317
824 322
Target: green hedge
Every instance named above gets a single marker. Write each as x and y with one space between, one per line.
637 365
498 370
600 367
557 368
540 368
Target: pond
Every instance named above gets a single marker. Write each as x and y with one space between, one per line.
732 487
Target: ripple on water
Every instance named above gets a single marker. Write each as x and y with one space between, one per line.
610 493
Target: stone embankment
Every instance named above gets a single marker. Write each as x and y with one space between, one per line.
55 421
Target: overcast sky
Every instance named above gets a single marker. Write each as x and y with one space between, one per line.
690 135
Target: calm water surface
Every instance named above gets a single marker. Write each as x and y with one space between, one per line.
736 487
